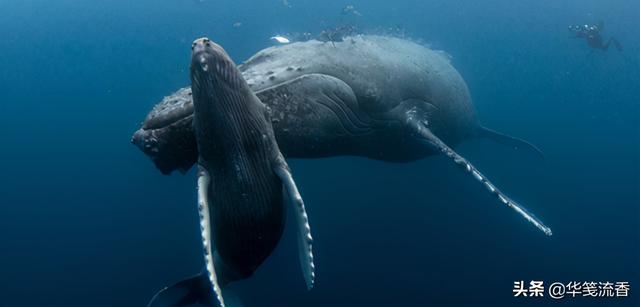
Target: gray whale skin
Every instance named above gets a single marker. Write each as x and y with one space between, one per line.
379 97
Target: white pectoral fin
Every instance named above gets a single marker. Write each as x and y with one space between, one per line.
424 132
204 181
305 241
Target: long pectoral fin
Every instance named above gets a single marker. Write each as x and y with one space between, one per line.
204 182
425 133
305 241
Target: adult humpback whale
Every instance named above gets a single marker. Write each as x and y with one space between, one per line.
243 182
380 97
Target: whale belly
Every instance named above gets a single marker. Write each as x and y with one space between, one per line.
248 216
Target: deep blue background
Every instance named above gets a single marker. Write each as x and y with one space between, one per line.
86 220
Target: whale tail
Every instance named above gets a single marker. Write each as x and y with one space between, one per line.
508 140
194 290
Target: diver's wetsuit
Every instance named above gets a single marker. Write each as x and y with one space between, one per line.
593 37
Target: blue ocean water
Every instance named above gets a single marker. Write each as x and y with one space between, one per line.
86 220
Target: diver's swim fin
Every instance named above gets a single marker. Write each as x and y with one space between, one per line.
615 43
193 290
508 140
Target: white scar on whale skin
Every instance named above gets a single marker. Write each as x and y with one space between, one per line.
205 227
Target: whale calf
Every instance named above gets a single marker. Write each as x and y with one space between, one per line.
379 97
244 182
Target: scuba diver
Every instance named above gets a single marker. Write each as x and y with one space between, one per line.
593 37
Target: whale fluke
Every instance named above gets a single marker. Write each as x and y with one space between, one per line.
195 290
190 291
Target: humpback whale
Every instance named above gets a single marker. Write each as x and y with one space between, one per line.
379 97
244 182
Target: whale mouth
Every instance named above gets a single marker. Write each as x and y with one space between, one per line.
168 156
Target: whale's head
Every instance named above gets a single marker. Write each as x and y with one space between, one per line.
220 94
166 134
213 72
216 83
